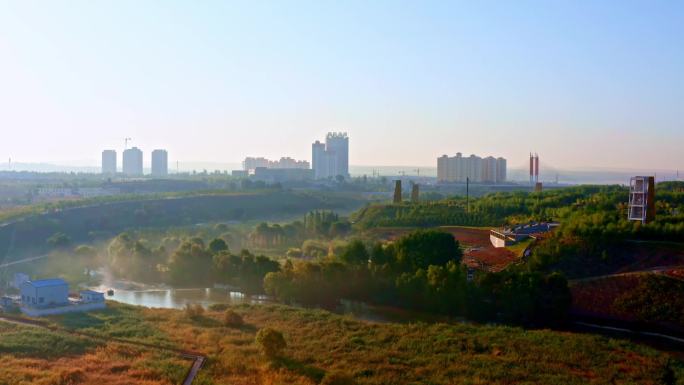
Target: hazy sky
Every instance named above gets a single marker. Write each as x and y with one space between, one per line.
584 83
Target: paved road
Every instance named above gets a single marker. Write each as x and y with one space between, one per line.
3 265
198 359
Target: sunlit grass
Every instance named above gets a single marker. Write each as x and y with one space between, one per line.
320 342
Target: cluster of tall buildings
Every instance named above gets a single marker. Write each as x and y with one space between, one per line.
250 164
474 168
331 159
132 163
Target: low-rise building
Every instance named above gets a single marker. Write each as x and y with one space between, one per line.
89 296
51 296
44 293
511 235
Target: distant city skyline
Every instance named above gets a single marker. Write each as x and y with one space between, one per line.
585 84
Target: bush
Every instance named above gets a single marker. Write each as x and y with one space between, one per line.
219 307
336 378
193 310
232 319
271 342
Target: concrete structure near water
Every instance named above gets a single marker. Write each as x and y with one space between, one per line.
51 296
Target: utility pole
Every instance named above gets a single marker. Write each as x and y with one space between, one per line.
467 195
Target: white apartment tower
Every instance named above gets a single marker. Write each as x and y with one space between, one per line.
331 159
133 162
160 163
108 162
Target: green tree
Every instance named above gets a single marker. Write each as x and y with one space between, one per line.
217 245
423 248
355 253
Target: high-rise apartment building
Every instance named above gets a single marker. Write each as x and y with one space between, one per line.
331 159
160 163
133 162
500 170
108 162
473 168
318 160
489 169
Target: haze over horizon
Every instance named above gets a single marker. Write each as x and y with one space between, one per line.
584 84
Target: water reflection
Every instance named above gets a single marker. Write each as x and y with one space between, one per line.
178 298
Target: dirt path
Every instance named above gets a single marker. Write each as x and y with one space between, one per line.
198 358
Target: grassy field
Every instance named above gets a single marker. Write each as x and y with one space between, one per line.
31 355
320 343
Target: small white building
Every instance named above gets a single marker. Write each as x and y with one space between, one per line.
44 293
90 296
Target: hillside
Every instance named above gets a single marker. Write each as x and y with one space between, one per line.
100 221
320 343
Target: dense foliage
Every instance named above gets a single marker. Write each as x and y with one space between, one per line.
317 224
421 271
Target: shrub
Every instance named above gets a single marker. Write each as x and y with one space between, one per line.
219 307
193 310
271 342
232 319
337 378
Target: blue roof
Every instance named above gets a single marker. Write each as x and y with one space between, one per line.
47 282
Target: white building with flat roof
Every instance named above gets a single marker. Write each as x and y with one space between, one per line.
108 162
51 296
44 293
133 162
160 163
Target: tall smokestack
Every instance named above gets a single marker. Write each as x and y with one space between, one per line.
536 167
531 168
397 192
415 193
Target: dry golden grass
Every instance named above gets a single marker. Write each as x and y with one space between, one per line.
320 343
81 361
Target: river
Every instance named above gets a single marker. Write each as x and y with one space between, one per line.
160 296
